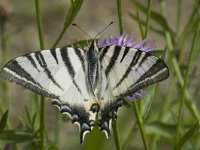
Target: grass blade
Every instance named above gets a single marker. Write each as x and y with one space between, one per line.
148 18
143 23
3 121
187 135
158 18
11 136
140 124
74 9
119 10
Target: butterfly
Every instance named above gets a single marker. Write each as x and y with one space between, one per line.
88 84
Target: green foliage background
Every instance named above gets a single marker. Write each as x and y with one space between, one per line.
166 118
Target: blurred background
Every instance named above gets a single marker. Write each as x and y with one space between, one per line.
159 109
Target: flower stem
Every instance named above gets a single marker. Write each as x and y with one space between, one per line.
140 124
42 104
3 42
116 133
148 18
42 124
59 37
39 24
119 10
3 58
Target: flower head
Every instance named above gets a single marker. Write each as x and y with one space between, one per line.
126 41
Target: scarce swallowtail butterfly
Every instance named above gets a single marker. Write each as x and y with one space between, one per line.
87 84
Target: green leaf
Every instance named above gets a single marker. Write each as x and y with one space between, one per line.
154 16
11 136
81 44
140 25
74 9
188 135
162 129
148 101
3 121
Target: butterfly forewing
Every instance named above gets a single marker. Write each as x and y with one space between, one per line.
58 74
131 69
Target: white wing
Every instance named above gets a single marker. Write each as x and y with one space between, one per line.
58 74
129 70
126 70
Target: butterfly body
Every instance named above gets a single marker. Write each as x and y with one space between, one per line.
94 69
88 85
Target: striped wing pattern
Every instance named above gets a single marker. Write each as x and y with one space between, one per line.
62 74
126 70
58 74
129 70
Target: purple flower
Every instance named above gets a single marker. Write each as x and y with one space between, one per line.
126 41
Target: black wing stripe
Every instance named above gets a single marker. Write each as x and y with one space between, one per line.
143 60
53 53
18 69
158 66
43 64
30 58
133 62
113 60
103 53
125 53
149 77
66 60
15 72
81 58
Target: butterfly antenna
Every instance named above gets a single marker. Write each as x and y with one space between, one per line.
81 30
103 29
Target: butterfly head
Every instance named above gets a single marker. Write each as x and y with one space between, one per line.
93 46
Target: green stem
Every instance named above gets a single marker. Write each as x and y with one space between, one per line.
42 124
42 104
119 10
185 83
39 24
5 88
140 124
148 18
3 59
116 133
60 36
3 42
178 16
140 25
57 129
